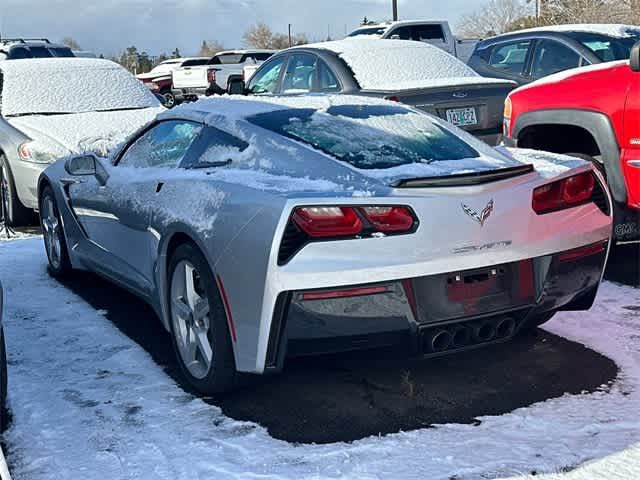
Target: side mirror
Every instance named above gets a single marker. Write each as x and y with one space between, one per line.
395 36
85 165
634 58
236 86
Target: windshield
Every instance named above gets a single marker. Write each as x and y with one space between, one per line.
605 47
369 136
63 86
368 31
165 67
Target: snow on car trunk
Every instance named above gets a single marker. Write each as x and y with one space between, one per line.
402 65
89 403
69 85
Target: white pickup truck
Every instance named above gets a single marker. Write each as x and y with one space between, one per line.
191 82
435 32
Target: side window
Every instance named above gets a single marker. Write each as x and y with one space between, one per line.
552 57
510 57
219 148
40 52
164 145
261 57
61 52
428 33
327 80
402 33
19 52
300 74
266 80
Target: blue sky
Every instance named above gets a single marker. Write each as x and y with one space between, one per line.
108 26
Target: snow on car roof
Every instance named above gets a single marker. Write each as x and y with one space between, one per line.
69 85
240 107
612 30
400 64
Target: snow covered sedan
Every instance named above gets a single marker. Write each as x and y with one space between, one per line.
265 228
414 73
55 107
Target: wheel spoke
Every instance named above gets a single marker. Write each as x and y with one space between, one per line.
204 346
182 310
190 289
191 345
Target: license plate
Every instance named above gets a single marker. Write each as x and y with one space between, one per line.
462 116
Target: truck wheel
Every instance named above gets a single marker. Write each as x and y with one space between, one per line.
16 214
169 99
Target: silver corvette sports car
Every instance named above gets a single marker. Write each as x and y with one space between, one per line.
260 229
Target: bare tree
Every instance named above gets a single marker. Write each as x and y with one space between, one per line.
585 11
258 36
71 43
496 16
261 36
210 48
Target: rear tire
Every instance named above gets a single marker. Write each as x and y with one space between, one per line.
53 234
16 214
169 99
198 320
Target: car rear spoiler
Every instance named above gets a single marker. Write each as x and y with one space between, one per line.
465 179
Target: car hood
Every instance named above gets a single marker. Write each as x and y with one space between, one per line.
98 132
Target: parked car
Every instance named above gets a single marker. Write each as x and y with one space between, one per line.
591 113
265 228
435 32
159 79
18 48
3 379
54 107
528 55
414 73
191 82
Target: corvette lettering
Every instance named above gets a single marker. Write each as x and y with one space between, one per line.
486 246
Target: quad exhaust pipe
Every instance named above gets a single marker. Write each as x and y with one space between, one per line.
438 340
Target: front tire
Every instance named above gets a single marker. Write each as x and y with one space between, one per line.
199 330
16 214
52 232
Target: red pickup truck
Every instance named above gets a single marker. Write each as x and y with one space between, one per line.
593 113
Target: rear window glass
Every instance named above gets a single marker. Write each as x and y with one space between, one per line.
194 63
227 58
61 52
40 52
368 31
607 48
369 136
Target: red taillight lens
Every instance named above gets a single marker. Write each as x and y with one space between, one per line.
392 98
389 219
211 76
564 193
323 222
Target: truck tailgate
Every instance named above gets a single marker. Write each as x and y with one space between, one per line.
190 77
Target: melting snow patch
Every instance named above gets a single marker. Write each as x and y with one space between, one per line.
89 403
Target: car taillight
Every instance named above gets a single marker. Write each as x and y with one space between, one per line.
389 219
506 117
392 98
211 76
565 193
323 222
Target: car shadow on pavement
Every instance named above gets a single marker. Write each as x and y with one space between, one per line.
351 396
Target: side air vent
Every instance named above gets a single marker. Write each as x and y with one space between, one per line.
292 240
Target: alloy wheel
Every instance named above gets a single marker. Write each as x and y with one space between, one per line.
51 232
190 317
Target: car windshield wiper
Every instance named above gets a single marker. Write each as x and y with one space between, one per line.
28 114
119 109
221 163
464 179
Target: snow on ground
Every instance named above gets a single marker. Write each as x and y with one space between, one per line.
89 403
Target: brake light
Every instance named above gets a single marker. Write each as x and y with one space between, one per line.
323 222
392 98
344 293
389 219
581 252
211 76
565 193
508 109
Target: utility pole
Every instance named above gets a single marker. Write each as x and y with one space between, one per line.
290 43
394 5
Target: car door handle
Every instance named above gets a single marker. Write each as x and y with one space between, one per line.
70 181
634 163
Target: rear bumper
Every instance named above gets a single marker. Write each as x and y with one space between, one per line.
461 310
